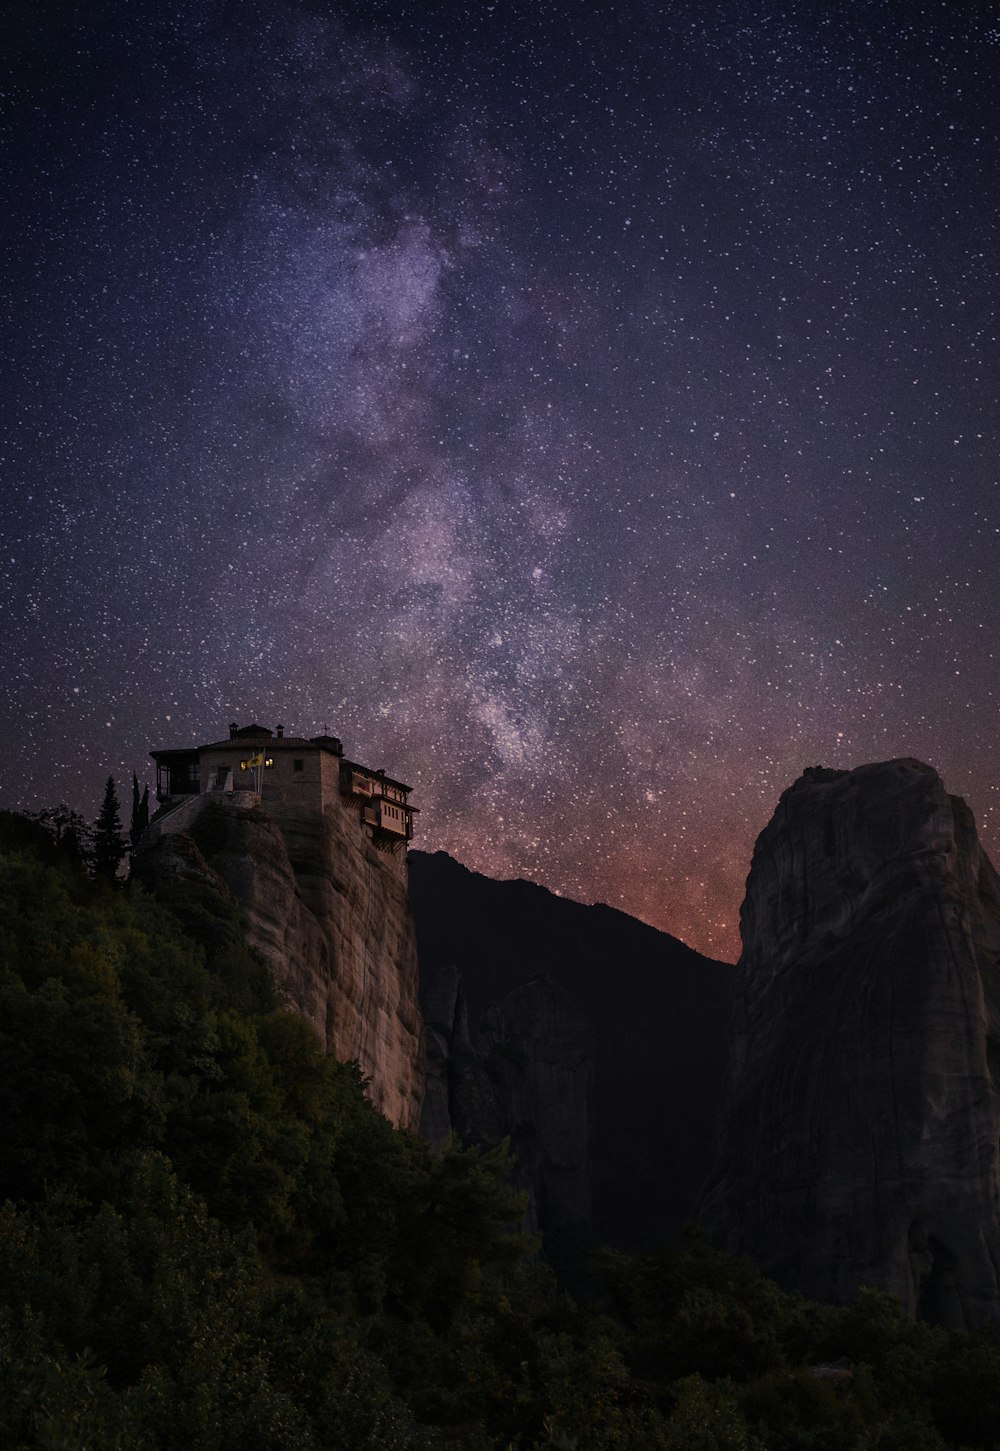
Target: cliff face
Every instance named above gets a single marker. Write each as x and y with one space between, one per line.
862 1112
595 1041
459 1097
526 1074
333 920
539 1055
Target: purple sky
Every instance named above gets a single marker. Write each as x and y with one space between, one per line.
588 413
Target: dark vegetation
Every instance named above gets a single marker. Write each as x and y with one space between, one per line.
209 1239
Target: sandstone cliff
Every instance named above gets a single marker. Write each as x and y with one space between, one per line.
862 1114
333 920
539 1055
525 1074
597 1042
459 1098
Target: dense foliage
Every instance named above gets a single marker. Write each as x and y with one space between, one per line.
209 1239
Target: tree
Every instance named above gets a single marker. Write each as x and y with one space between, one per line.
110 846
140 812
67 828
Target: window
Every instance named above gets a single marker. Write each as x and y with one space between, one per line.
298 765
193 773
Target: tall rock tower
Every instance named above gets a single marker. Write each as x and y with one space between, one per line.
861 1121
312 847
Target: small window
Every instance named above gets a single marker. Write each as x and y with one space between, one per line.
298 765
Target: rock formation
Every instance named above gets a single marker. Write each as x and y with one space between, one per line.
333 920
539 1055
525 1075
862 1112
459 1098
595 1041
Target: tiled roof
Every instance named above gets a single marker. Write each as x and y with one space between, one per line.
273 743
368 771
242 743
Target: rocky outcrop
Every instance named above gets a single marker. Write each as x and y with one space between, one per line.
333 920
539 1056
862 1113
526 1074
459 1098
597 1043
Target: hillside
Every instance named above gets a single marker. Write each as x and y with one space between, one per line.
210 1240
657 1010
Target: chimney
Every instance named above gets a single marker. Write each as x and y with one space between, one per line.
233 728
281 731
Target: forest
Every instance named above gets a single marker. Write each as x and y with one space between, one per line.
209 1239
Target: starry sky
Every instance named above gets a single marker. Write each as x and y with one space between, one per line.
587 411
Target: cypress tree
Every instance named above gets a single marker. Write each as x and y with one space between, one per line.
140 812
110 846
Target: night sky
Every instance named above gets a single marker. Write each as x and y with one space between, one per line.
588 412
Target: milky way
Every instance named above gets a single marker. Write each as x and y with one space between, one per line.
587 412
